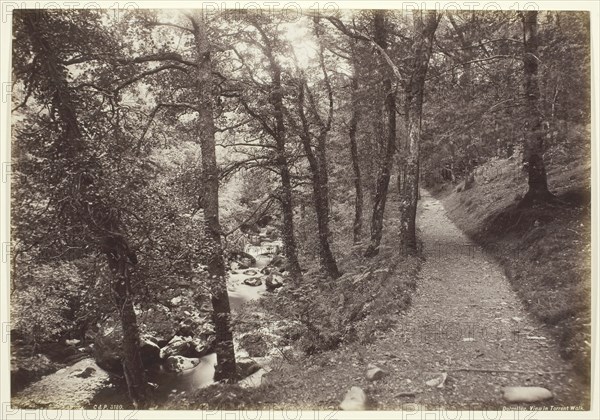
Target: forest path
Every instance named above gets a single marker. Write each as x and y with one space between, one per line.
466 316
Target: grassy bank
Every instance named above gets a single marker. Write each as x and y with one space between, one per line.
545 249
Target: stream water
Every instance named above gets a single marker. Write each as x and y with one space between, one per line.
200 376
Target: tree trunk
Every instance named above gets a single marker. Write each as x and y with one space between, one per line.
409 190
358 201
383 178
119 262
321 198
318 168
317 159
87 204
290 248
321 203
533 150
213 251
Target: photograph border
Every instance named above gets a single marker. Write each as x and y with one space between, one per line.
6 8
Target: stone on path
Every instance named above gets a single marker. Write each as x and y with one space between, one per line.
374 373
438 381
526 394
355 400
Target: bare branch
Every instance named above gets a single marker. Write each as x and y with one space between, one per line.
164 56
155 111
353 33
231 127
265 125
148 73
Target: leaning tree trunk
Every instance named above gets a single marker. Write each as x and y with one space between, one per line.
383 178
212 248
86 203
533 150
409 190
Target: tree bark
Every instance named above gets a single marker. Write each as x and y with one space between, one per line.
424 30
533 150
213 250
318 168
87 205
383 178
287 207
120 261
290 248
321 197
358 201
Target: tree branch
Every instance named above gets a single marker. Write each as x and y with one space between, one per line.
260 119
155 111
148 73
231 127
164 56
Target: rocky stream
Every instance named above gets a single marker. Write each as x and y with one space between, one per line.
179 370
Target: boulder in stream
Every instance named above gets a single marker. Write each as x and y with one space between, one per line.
149 352
253 281
273 281
178 346
187 347
178 364
241 258
203 345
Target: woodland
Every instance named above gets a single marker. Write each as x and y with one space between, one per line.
150 146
